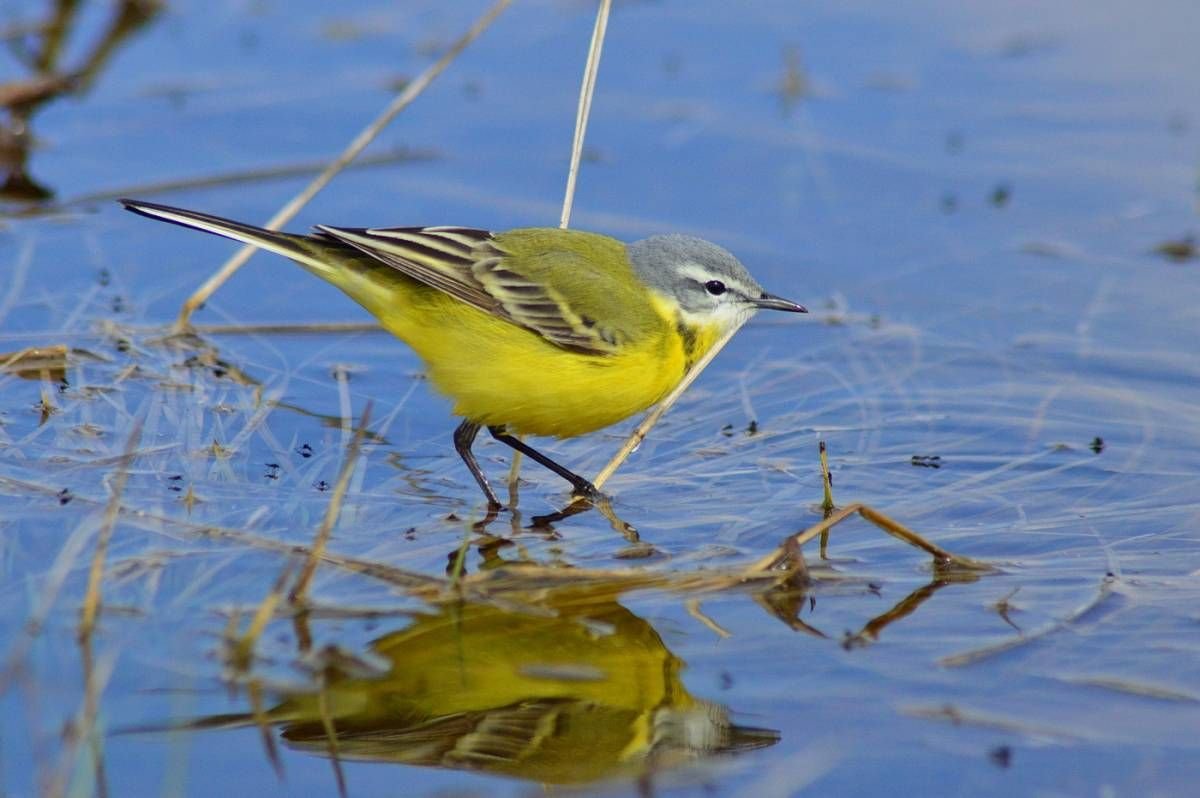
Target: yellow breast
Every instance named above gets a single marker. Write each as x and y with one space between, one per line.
500 374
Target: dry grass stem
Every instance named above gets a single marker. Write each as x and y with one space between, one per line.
91 600
368 134
779 557
514 477
36 362
639 434
239 177
317 552
783 566
160 524
827 505
289 329
586 90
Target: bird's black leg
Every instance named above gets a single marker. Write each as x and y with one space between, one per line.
582 487
464 436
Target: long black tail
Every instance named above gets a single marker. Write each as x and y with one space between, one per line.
312 253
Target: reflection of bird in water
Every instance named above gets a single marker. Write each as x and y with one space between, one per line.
574 692
558 741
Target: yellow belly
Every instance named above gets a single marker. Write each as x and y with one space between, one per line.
500 374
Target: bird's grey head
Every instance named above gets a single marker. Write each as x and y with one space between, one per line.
708 282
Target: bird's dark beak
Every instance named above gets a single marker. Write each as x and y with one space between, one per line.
772 302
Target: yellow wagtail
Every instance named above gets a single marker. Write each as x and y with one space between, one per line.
537 331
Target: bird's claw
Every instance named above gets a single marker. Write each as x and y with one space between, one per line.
588 492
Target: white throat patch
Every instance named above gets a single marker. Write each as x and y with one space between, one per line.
730 309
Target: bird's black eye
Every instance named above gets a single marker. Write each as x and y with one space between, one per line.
715 287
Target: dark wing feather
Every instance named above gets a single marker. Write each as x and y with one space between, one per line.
437 257
470 266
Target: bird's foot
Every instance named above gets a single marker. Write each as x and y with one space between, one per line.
491 514
588 492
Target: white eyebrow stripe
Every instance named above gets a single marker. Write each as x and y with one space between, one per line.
694 271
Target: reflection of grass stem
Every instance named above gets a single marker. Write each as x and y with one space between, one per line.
902 609
257 709
83 726
1103 594
365 137
243 649
460 560
317 551
300 626
331 739
952 714
91 709
694 610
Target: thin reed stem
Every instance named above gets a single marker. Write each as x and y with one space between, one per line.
643 429
360 142
585 107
